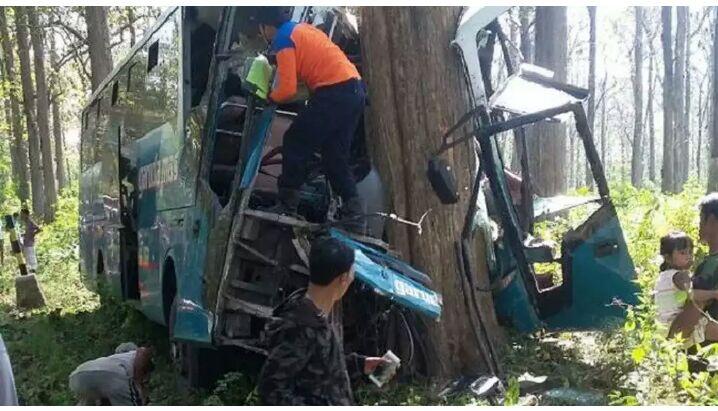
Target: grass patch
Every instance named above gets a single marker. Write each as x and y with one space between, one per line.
632 365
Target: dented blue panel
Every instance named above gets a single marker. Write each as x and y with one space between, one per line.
390 283
259 137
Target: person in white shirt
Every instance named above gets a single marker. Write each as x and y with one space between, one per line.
120 379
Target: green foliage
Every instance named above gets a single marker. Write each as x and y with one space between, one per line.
632 365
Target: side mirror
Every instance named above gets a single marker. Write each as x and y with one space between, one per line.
443 181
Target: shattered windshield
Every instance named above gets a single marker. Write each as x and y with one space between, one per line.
522 94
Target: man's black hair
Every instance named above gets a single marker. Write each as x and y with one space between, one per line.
25 211
709 205
328 259
272 16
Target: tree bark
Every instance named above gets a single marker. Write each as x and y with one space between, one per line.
547 147
713 166
680 137
98 39
57 121
637 149
667 168
28 91
43 109
19 160
591 81
407 114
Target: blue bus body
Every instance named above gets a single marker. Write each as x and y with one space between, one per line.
168 191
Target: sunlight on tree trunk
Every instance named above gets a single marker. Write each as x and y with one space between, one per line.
407 114
43 110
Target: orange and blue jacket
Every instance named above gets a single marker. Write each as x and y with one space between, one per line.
305 53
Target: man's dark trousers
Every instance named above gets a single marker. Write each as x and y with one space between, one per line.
326 126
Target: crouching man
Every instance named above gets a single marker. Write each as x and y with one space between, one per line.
306 364
120 379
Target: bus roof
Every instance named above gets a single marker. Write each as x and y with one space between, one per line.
148 34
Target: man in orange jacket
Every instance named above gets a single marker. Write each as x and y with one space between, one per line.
328 123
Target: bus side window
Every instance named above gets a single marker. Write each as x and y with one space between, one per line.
153 55
88 138
135 98
115 92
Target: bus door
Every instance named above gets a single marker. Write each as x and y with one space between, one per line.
148 177
128 219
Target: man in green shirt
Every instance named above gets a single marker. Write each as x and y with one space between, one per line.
706 276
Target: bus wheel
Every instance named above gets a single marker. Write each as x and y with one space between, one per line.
200 366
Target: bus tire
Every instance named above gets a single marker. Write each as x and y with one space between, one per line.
201 367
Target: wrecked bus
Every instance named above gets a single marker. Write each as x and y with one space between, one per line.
179 162
591 277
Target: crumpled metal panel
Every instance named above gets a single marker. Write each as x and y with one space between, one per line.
390 283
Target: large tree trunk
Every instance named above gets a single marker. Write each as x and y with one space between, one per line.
667 169
98 39
591 81
547 147
680 136
637 151
410 69
43 109
28 91
19 161
713 165
57 121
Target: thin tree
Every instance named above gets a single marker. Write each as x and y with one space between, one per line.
667 168
19 150
526 47
701 121
687 99
28 91
98 39
526 38
591 80
713 165
680 136
407 114
43 110
131 24
547 148
604 97
650 34
637 149
56 120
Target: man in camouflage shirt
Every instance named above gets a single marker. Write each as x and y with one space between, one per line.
306 364
706 276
